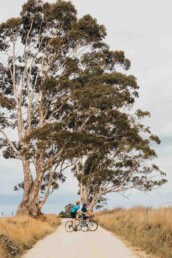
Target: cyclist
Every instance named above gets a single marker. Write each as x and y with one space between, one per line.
84 211
74 211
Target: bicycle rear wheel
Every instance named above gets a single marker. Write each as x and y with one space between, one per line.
77 225
69 226
92 225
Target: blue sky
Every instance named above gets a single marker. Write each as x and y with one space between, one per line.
143 30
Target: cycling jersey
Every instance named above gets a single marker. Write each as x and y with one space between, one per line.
75 208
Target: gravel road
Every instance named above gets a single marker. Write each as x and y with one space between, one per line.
98 244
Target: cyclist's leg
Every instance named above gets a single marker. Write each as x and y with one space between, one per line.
73 215
74 222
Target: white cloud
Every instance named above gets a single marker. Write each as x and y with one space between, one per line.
165 42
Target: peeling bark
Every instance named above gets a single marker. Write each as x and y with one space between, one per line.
29 204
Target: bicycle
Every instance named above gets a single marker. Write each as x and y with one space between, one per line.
82 224
88 223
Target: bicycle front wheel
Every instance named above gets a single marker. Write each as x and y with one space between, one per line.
92 225
84 226
69 226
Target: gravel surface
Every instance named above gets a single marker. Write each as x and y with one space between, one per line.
98 244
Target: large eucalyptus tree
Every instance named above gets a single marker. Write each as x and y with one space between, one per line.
40 57
68 94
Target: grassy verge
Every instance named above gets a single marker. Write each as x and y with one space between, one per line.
20 233
148 229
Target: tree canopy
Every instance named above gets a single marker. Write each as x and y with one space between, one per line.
123 162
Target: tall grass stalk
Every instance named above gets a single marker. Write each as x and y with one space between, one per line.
146 228
20 233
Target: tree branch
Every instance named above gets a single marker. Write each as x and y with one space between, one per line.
11 143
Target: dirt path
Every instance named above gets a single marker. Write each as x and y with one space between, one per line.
61 244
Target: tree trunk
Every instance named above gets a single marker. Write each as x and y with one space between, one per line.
86 196
84 193
94 202
34 198
29 204
28 183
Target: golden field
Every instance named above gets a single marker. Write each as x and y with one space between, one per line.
20 233
146 228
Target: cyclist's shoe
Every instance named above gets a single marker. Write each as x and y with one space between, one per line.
75 228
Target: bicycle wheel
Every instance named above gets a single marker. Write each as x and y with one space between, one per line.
69 226
92 225
84 226
77 224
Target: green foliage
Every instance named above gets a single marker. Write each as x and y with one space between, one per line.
7 103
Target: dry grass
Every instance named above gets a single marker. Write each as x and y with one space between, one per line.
2 251
20 233
148 229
